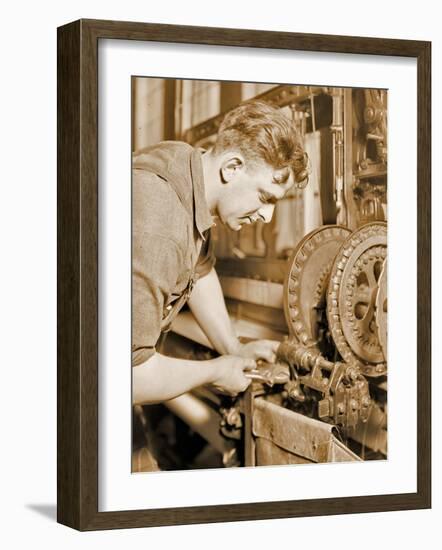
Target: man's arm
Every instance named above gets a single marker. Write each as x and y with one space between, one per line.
209 309
161 378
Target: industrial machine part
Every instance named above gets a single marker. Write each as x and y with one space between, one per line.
371 110
351 298
335 307
306 285
270 374
381 309
282 436
339 390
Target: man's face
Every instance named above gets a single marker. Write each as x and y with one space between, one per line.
250 193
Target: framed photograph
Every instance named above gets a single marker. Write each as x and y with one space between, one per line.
244 234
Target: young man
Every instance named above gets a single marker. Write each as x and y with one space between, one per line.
177 193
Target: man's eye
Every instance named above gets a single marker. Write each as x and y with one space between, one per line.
266 198
263 197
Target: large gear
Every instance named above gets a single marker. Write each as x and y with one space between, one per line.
307 281
381 309
352 295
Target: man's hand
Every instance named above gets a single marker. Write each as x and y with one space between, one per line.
230 373
259 349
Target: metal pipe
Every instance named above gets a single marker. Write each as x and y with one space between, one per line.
337 129
201 418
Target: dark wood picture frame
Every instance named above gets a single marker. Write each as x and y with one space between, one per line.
77 226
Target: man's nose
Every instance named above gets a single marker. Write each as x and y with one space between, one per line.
266 212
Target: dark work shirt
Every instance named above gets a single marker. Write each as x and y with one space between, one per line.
170 239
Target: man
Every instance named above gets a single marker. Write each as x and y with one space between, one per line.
177 192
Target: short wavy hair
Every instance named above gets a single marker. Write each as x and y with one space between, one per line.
263 133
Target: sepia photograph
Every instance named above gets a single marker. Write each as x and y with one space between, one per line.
259 274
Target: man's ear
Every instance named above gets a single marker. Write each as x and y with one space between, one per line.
230 166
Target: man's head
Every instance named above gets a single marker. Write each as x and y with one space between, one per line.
259 156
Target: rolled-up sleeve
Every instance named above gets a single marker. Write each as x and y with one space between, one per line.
156 260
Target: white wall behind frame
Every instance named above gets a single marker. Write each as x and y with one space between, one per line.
27 278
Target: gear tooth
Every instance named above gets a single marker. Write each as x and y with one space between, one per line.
293 284
294 313
304 338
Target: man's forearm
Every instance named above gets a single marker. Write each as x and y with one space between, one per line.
161 378
209 309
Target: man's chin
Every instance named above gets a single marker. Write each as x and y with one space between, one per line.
232 222
234 225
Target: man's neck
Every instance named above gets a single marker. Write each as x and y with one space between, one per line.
211 179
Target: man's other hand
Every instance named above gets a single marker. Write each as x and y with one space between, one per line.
259 349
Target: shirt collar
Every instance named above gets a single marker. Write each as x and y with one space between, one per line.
203 217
